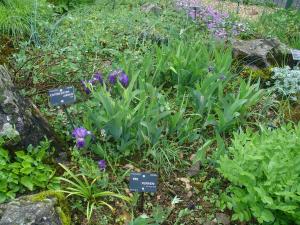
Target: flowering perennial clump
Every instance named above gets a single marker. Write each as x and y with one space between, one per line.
113 77
97 78
218 23
80 134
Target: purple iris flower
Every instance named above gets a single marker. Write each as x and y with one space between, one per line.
102 164
98 77
124 80
85 88
121 75
80 134
112 78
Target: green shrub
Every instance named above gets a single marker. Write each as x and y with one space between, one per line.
264 171
25 171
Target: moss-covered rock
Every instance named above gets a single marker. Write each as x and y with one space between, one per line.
23 115
45 208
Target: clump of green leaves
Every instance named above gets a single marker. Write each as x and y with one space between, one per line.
80 186
225 105
131 117
184 63
18 17
24 171
263 168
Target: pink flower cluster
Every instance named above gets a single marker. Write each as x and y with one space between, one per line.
214 20
217 23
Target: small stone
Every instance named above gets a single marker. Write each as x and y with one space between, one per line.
187 183
194 169
222 218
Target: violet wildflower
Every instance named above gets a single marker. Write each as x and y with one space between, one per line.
124 80
80 134
98 77
102 164
85 88
121 75
112 78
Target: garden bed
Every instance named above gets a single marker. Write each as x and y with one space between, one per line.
193 96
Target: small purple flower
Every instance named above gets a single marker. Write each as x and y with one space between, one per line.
80 142
121 75
97 78
79 134
112 78
85 88
102 164
124 80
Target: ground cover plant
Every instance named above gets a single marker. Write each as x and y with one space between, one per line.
264 178
157 90
24 170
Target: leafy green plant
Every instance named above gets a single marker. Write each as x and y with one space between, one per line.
80 186
17 17
233 109
131 118
24 171
165 157
88 39
159 215
184 63
263 168
223 104
66 5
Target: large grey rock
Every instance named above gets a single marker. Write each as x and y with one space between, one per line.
19 112
262 53
25 211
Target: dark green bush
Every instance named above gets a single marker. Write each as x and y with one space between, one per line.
264 171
